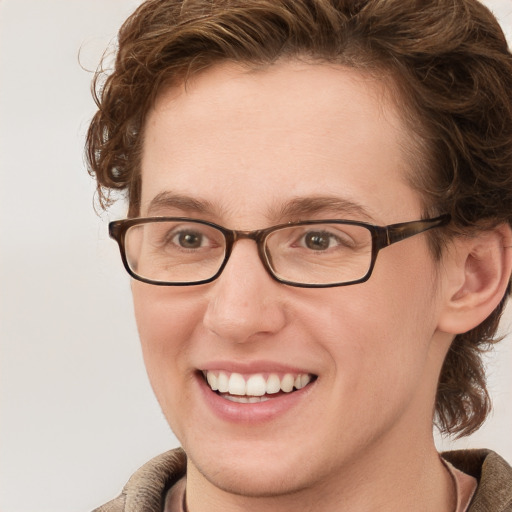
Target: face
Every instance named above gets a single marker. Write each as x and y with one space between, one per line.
248 150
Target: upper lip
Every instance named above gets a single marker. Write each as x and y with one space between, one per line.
253 367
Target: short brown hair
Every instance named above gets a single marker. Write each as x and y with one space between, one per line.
447 59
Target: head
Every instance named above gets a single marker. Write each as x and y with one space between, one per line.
441 82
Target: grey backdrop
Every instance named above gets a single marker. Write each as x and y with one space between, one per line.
77 414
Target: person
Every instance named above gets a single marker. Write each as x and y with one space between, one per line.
319 235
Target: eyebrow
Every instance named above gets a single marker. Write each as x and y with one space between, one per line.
168 200
300 208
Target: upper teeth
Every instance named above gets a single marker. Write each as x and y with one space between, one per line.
256 384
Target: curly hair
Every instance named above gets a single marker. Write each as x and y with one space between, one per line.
446 61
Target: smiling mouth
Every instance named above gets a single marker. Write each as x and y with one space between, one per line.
256 387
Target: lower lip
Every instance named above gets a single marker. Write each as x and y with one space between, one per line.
259 412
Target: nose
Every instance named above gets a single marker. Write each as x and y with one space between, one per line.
244 302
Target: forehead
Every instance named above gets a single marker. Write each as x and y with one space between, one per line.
242 140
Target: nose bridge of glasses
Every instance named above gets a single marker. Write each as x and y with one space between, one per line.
258 236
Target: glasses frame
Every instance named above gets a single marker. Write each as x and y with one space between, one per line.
382 236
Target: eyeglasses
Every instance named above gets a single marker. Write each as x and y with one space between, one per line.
179 251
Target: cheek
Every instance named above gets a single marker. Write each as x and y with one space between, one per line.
163 317
165 324
378 334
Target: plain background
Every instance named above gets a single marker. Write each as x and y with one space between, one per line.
77 413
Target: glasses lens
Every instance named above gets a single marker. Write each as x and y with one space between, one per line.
174 251
320 254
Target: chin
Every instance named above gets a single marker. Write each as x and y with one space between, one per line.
258 480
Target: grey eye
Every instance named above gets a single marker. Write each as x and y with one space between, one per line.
317 240
189 240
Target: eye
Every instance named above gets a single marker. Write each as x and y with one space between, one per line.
189 239
318 240
322 240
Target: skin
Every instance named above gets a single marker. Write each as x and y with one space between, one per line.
246 144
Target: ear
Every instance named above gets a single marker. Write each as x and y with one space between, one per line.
477 273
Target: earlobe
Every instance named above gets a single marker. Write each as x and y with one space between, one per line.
477 274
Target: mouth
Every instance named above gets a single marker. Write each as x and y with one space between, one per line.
257 387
